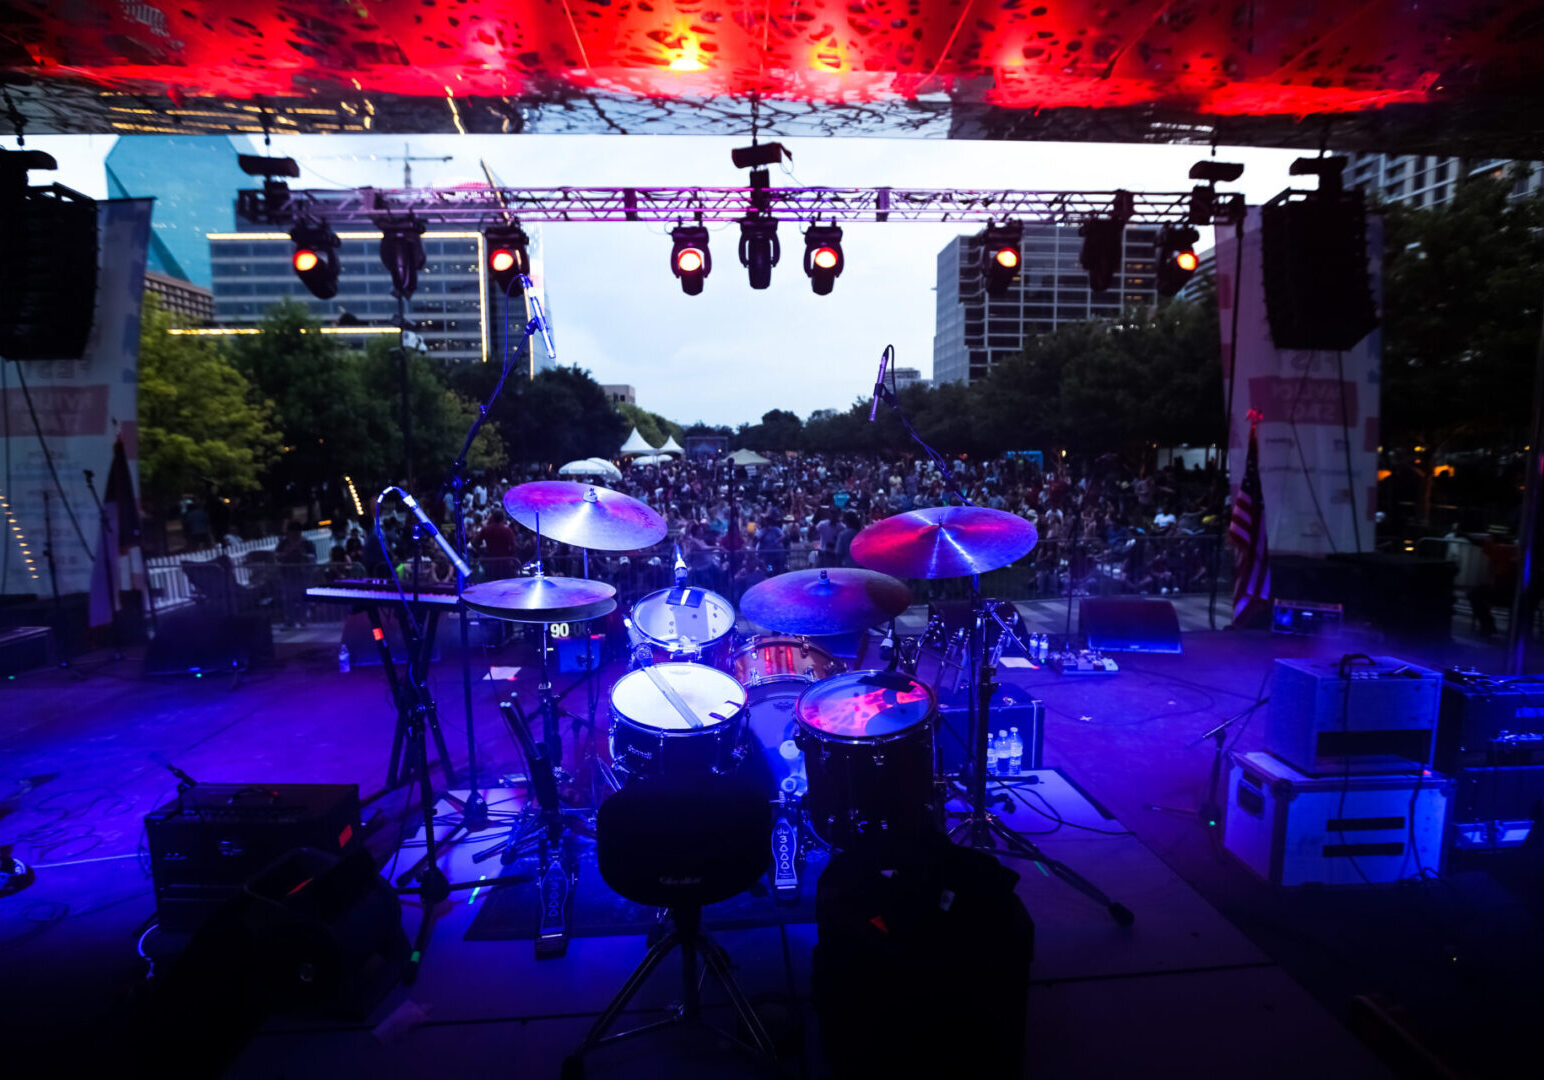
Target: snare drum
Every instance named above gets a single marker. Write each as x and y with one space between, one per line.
684 624
669 718
868 756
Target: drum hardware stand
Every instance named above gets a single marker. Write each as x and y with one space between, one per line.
1209 813
980 826
547 830
417 716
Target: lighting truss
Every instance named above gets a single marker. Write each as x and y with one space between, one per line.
475 207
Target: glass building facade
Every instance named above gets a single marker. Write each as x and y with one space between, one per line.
974 331
194 180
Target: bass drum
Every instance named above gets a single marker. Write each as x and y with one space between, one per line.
673 718
867 738
684 624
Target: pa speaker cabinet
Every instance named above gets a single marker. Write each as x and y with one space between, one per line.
1127 624
1293 829
1376 717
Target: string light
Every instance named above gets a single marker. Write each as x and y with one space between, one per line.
354 494
21 539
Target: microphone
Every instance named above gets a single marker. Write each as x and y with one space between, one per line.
680 567
439 538
540 318
879 383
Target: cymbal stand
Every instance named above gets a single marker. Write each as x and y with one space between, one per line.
981 828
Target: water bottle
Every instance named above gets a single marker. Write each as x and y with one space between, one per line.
1045 646
1037 647
343 659
1015 751
1002 751
991 755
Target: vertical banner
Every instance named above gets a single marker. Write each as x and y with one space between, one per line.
1313 404
78 409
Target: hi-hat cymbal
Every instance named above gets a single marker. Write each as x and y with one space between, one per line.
944 541
833 601
542 599
584 515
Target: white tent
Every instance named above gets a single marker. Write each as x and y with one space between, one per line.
591 467
671 446
651 459
636 444
748 458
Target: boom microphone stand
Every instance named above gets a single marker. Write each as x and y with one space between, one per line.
982 829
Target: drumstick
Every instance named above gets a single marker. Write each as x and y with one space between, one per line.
675 699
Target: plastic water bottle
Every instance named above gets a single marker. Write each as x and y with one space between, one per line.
1045 646
1015 751
1002 751
991 756
343 659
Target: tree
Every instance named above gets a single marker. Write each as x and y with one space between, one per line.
1461 318
331 417
202 426
779 430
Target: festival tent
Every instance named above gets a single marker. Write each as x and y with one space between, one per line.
671 446
591 467
636 444
748 458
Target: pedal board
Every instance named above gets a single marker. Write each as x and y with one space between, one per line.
1083 663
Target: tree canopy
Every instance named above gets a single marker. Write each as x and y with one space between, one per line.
202 426
1461 315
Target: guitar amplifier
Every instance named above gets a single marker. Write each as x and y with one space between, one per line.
1293 829
1490 720
210 839
1497 808
1327 717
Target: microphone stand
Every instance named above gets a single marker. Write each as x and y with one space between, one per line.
982 829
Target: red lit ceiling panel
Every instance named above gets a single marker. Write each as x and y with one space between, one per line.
1139 68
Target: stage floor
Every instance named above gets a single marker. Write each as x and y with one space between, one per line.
1219 974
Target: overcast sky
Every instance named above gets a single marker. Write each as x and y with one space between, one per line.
732 353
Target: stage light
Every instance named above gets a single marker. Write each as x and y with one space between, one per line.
402 253
316 258
759 249
823 259
508 257
1000 255
1177 258
690 260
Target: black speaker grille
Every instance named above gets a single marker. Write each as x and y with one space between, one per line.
1314 250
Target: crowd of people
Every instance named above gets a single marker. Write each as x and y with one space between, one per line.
737 525
1103 527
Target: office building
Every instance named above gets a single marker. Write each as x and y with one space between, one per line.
185 302
455 310
194 180
618 393
908 376
974 331
1424 181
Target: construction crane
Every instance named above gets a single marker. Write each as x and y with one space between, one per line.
407 159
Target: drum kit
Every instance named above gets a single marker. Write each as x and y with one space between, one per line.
851 753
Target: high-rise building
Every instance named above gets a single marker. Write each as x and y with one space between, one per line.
455 310
194 180
1424 181
188 304
908 376
974 331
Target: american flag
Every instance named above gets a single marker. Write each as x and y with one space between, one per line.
1246 532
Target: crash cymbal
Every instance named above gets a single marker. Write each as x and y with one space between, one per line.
832 601
542 599
944 541
584 515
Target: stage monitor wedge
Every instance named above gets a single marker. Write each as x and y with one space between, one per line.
1129 624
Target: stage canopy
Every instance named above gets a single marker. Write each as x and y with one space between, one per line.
1445 76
